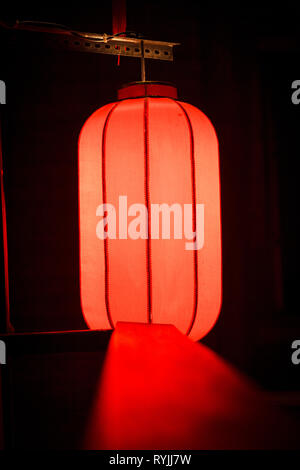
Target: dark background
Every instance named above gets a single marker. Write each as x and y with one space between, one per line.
237 67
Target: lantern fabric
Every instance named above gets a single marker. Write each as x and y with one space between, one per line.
153 149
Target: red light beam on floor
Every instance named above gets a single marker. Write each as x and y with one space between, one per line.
160 390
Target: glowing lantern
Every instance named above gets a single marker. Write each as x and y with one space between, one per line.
150 150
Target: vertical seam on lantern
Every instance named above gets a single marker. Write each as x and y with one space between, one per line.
192 156
147 200
106 264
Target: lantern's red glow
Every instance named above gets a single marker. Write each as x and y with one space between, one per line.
153 149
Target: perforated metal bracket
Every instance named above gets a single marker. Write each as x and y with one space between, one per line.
124 46
98 43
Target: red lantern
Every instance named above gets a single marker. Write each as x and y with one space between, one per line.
148 150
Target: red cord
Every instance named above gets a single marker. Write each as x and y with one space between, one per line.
118 18
9 327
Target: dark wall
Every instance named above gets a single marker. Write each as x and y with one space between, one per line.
237 68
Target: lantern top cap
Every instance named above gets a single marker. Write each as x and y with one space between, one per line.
147 88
